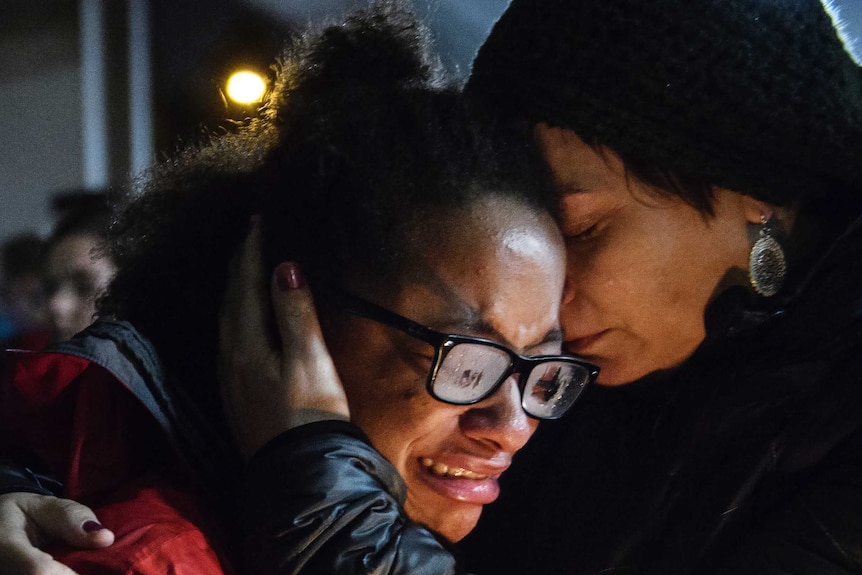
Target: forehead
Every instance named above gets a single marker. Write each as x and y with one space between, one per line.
497 264
73 252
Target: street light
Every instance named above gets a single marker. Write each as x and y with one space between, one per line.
246 87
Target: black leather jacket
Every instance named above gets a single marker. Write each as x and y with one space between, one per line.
320 500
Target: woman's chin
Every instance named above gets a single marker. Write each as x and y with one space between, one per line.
615 374
455 533
453 524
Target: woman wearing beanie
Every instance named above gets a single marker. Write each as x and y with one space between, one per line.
708 156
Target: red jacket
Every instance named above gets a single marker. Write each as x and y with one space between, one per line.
86 413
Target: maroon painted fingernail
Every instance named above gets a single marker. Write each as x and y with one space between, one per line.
289 276
90 526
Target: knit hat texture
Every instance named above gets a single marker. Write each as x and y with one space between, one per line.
759 96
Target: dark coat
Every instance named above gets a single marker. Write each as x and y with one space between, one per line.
746 459
94 413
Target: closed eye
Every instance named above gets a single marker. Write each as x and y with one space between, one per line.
585 234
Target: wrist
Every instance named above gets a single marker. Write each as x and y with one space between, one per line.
292 418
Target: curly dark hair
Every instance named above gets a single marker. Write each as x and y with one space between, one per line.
360 145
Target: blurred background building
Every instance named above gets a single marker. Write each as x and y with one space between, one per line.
91 91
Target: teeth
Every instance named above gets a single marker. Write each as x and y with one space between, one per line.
444 470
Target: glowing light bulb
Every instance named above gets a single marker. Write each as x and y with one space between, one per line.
246 87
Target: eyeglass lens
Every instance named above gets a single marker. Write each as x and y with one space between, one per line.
470 371
552 388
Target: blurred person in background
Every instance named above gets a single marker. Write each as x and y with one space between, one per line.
75 269
22 302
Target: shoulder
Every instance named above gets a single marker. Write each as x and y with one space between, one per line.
70 408
159 529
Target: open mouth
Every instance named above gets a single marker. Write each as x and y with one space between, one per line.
459 483
443 470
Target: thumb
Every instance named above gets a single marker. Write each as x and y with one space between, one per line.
70 522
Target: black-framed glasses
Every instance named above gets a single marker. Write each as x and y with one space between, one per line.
467 369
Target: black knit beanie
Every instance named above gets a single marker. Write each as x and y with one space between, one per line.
759 96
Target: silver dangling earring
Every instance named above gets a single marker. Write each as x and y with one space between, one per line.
766 265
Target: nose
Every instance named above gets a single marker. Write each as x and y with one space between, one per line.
499 420
61 307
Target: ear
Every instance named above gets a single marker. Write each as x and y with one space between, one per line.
756 210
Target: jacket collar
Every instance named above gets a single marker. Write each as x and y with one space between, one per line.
200 439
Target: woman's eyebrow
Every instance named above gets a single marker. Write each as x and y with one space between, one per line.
568 189
424 275
468 319
478 325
